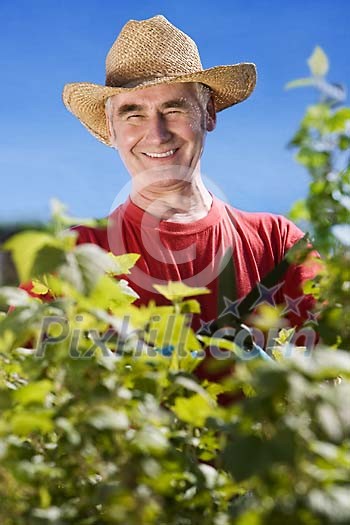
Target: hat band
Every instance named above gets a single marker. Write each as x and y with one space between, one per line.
146 80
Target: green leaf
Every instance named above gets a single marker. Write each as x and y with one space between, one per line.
333 504
329 422
39 288
176 291
88 264
33 393
218 342
14 296
85 266
338 121
47 260
312 159
151 440
194 410
93 262
49 515
193 386
318 62
123 263
172 330
24 423
300 82
62 219
245 456
110 293
18 325
106 417
317 117
191 306
324 364
66 425
299 211
24 247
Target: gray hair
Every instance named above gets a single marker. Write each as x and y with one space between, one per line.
108 107
204 93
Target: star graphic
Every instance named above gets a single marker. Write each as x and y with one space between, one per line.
292 304
266 295
204 327
231 307
312 317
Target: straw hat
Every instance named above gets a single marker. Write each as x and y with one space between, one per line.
149 52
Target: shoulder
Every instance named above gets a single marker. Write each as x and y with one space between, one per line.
270 227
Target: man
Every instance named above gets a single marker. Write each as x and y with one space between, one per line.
155 109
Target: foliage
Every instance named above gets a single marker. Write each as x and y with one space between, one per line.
104 421
98 423
322 143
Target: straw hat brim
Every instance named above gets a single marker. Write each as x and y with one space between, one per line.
230 85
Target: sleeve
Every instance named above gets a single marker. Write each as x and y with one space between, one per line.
298 306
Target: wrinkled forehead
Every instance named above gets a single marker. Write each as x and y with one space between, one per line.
159 94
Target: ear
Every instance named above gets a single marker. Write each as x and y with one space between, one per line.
210 115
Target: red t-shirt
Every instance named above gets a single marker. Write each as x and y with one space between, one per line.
191 252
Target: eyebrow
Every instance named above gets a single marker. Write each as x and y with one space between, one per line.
176 103
130 108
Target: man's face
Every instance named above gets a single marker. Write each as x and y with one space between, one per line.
160 127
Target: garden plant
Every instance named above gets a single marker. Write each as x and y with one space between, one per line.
102 417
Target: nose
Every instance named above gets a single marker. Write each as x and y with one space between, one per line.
158 131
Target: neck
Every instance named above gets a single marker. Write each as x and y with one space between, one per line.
177 201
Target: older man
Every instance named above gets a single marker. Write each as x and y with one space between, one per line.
155 109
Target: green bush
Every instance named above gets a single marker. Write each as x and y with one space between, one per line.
103 421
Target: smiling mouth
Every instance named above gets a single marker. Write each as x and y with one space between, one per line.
161 155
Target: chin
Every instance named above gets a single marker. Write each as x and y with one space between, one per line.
165 175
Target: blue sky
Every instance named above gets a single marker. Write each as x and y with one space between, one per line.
45 152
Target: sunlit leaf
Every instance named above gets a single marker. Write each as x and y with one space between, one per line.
39 288
24 248
172 329
194 410
299 211
333 504
300 82
24 423
13 296
33 393
175 291
123 263
329 421
318 62
339 120
107 418
47 259
268 317
151 440
191 306
60 216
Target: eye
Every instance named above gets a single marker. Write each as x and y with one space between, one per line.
134 117
172 112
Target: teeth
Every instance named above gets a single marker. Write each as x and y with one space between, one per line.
161 155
